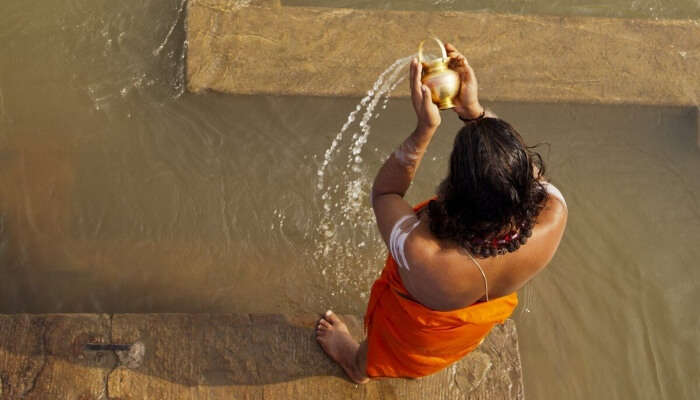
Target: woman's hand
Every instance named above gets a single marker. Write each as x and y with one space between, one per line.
427 112
467 102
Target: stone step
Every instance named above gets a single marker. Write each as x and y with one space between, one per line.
220 356
267 48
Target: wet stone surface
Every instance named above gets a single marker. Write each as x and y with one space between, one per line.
207 356
38 357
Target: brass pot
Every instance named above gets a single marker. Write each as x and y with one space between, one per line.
442 81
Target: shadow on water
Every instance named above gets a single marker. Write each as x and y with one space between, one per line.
169 212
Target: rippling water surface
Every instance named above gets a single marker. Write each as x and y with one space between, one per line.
122 193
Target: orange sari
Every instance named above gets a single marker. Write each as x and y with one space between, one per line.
407 339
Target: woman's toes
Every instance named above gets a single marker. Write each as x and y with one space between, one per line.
323 323
331 317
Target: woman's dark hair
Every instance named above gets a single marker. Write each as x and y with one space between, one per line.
491 188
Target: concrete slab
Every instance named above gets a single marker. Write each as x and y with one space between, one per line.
42 357
270 49
275 357
216 356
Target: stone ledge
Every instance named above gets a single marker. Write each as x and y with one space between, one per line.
207 356
340 52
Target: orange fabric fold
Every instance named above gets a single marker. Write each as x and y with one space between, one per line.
407 339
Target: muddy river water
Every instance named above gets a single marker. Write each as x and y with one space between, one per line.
120 192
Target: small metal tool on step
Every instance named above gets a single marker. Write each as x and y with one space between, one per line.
129 355
107 347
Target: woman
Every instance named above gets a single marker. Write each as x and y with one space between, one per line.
457 260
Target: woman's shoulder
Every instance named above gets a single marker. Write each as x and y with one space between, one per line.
522 265
551 221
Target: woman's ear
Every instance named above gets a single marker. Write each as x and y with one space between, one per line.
535 170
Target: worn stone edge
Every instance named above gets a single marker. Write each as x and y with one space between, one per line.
349 92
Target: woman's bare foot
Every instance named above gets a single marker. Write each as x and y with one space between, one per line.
336 341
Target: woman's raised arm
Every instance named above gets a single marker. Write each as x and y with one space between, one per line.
397 172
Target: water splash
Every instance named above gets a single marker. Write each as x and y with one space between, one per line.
180 14
135 66
346 226
177 55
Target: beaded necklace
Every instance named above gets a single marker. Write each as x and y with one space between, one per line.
500 245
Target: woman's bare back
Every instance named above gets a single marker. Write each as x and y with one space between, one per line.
443 276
